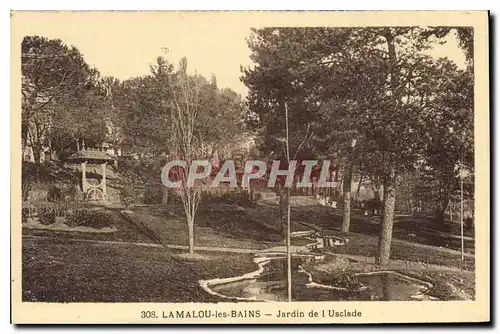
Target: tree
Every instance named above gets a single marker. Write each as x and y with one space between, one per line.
220 126
185 105
54 76
464 35
398 110
112 115
393 121
144 112
451 141
368 84
280 76
77 121
390 116
338 131
450 144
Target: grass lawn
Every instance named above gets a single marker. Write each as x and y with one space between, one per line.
425 232
257 227
366 245
418 229
165 224
448 285
213 227
68 271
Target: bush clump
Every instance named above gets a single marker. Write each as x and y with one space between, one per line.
242 198
153 195
129 195
89 218
26 212
347 280
47 216
54 194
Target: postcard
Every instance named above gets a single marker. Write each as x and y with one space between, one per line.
250 167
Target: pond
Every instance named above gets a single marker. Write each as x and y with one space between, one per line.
269 283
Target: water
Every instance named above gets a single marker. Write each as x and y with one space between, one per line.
269 282
271 285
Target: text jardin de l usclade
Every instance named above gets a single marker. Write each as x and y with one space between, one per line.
255 313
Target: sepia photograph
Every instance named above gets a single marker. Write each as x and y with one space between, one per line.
225 168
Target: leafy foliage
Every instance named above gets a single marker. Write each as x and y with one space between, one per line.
89 218
129 195
54 77
47 215
376 85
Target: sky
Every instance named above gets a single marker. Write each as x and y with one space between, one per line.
124 46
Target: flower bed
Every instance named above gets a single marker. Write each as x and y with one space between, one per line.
67 217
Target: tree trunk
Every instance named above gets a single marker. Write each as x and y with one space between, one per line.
389 186
190 221
376 190
346 221
440 213
451 211
51 149
164 199
37 154
359 186
385 234
336 179
439 219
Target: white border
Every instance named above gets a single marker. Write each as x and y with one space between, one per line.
186 5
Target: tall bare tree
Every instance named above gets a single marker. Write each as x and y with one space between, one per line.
185 103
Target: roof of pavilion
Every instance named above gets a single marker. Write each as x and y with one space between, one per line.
90 155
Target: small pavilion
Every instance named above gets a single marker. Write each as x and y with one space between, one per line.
93 165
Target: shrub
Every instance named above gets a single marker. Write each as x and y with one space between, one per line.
59 209
89 218
47 216
70 194
373 205
26 185
74 218
28 211
37 192
25 213
54 194
469 223
153 195
129 195
174 197
241 198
